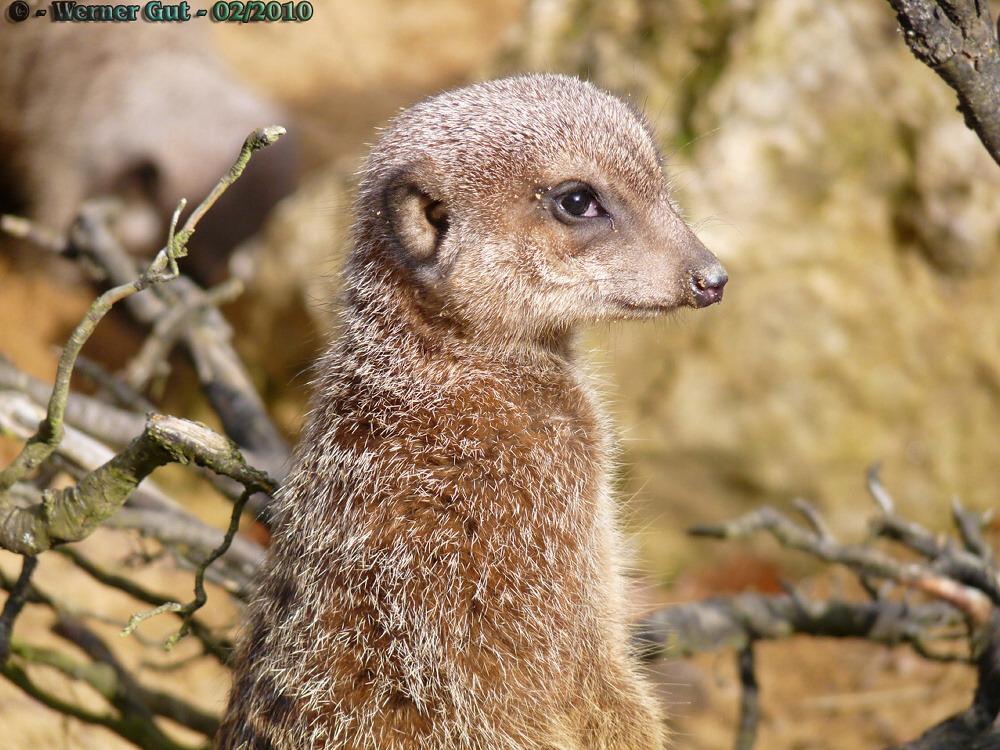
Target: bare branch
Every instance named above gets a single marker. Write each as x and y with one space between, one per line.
861 559
207 338
965 576
192 541
129 696
29 524
170 328
102 421
258 139
187 610
814 517
73 513
746 733
115 388
222 374
136 726
879 494
977 727
957 40
36 234
15 603
41 445
135 704
735 622
220 648
148 510
19 414
970 526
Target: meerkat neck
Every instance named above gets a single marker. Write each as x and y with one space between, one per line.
394 311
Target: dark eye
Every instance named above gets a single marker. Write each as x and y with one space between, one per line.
581 203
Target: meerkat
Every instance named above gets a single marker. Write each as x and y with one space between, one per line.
144 114
445 572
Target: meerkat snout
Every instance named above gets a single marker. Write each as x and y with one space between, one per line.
707 284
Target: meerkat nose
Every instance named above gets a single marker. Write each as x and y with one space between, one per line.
707 284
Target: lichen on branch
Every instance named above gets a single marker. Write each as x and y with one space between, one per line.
72 514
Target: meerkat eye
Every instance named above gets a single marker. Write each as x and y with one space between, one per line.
580 203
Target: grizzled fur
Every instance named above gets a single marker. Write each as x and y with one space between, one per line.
445 570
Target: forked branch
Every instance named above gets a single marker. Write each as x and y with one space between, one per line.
960 574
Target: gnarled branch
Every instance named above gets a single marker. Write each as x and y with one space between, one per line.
957 40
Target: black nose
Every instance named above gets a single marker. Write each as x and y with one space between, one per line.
706 285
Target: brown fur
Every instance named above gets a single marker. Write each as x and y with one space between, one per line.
445 572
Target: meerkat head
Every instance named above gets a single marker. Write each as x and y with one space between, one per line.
524 206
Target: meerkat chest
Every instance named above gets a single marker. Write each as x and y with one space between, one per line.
520 448
503 444
563 438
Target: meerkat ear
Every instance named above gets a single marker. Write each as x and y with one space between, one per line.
418 220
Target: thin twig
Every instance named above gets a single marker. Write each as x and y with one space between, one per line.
170 328
815 519
746 733
15 603
218 647
187 610
970 527
879 494
258 139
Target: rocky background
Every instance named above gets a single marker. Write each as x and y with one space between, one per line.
859 221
